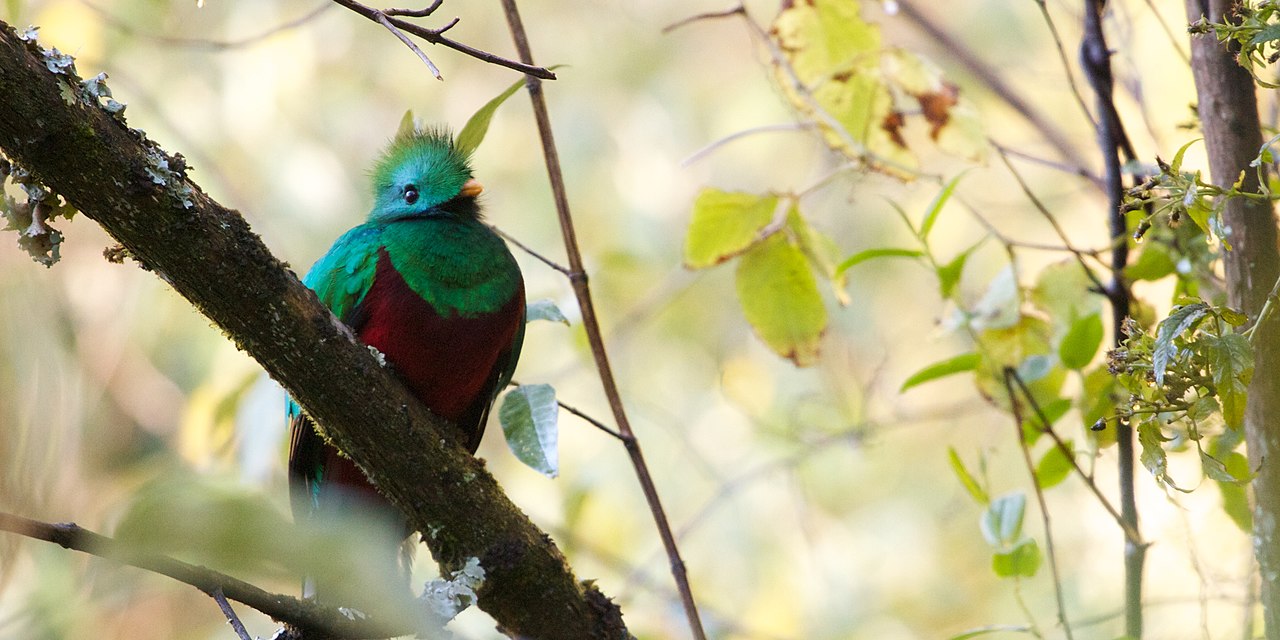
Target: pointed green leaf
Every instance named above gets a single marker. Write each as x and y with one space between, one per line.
1022 561
544 309
1154 262
1268 33
939 201
477 126
967 479
725 224
528 415
1179 321
780 298
1215 469
1054 466
950 366
1231 365
880 252
1081 342
1153 456
1175 167
1001 522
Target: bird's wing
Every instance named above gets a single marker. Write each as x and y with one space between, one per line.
341 278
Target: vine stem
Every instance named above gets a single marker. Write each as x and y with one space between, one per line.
578 279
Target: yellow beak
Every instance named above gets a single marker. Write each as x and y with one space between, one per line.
471 188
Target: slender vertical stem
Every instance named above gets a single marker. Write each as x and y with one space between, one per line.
1095 57
578 278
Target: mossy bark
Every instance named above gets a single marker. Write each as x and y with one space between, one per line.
208 253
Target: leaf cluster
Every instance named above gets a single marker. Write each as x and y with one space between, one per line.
1186 382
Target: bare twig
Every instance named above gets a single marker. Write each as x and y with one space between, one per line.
203 43
415 13
1009 375
994 77
710 15
386 22
232 618
578 278
306 614
1130 533
1053 222
435 36
525 248
716 144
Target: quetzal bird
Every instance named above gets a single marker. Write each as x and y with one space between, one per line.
430 286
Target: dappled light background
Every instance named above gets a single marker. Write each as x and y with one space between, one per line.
810 503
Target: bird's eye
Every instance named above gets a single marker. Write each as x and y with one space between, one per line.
410 194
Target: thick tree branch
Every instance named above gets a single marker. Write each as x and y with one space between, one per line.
1229 116
142 197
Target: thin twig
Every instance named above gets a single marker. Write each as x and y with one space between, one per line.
732 11
994 77
1065 168
202 43
1131 534
1066 64
1009 376
1053 222
415 13
434 36
232 619
581 414
525 248
716 144
306 614
384 21
578 278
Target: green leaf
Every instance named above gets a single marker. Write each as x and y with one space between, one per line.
967 479
1175 167
872 254
1001 521
1054 466
1235 501
994 628
1081 343
1179 321
949 273
528 415
1154 262
950 366
821 251
724 225
544 309
779 297
1268 33
477 126
1022 561
1153 455
1231 365
1215 469
939 201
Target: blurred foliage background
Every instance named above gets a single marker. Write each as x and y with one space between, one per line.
810 503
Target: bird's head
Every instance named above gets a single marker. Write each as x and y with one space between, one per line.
422 173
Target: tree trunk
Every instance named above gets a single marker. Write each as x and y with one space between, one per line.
1229 116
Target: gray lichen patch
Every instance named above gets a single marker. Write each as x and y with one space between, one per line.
30 218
